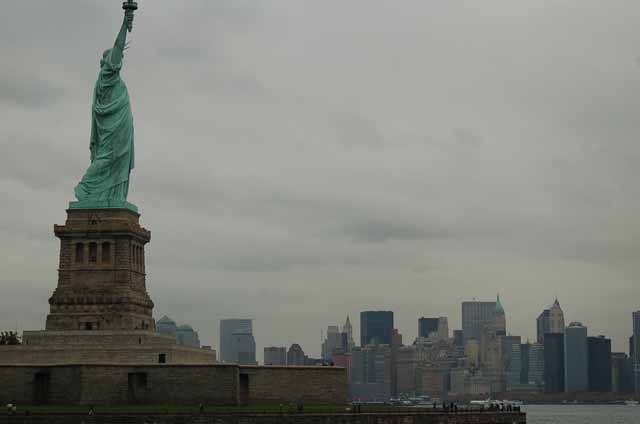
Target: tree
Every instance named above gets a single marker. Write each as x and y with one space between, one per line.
10 338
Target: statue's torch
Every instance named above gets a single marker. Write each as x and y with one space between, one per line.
130 6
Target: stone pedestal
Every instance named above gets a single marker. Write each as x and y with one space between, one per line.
101 278
100 311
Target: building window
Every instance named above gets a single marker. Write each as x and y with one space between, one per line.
134 255
93 253
88 326
79 253
106 252
162 358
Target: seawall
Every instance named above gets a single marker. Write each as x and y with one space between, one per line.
346 418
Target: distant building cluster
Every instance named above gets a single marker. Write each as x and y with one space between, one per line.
185 334
481 359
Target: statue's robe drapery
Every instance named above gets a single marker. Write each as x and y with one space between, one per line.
112 158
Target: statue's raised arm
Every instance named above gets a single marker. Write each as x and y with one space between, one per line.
121 39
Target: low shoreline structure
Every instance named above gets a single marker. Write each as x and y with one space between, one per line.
420 417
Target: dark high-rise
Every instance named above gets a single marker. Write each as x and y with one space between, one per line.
458 338
427 326
376 327
554 362
599 360
636 351
576 366
622 378
543 324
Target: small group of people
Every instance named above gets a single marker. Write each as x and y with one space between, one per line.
500 407
11 409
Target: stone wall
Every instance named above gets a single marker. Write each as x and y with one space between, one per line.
424 418
278 384
119 384
99 347
171 384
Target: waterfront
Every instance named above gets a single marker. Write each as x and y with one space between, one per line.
582 414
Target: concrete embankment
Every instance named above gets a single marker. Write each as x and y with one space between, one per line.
346 418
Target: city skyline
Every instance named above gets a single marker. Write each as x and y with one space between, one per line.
409 337
429 154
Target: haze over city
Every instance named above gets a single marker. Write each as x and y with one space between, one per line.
333 157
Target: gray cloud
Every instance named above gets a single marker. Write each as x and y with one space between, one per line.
29 91
296 164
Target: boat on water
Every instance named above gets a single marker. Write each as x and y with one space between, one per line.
493 402
631 402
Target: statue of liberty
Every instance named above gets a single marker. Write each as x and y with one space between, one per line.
106 181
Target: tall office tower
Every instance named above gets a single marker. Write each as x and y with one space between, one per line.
371 372
187 336
576 366
275 355
525 348
458 339
427 326
348 330
543 325
166 325
514 367
443 328
499 318
376 327
599 364
396 338
295 355
332 343
229 327
636 351
536 366
244 347
621 375
553 363
474 317
556 318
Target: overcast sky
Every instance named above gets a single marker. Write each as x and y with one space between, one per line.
301 161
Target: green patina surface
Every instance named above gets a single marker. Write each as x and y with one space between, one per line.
106 180
102 204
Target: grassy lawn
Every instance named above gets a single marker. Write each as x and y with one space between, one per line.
174 409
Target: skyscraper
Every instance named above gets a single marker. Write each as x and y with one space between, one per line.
348 330
243 330
621 369
371 372
243 346
576 366
187 336
333 342
295 355
474 317
275 355
556 318
535 375
553 363
543 325
427 326
599 360
376 327
636 351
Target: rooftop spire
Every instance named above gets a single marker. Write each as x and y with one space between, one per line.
499 308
